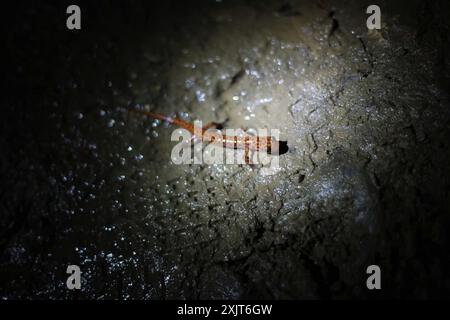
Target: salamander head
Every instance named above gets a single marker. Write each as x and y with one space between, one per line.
278 147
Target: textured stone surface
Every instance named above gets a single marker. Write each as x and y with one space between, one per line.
366 180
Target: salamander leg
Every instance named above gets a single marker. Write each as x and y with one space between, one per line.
210 125
250 131
247 156
215 125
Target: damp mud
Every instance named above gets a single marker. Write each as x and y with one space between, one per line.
365 114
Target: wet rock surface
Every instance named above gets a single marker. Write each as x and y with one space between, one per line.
365 181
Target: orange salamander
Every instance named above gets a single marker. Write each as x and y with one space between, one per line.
247 142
